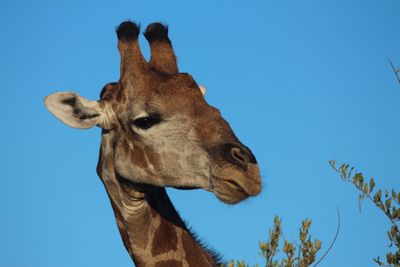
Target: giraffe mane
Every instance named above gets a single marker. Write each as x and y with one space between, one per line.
174 217
216 256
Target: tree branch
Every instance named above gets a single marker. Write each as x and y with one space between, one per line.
334 240
396 72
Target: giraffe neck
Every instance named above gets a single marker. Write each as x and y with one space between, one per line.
159 237
152 230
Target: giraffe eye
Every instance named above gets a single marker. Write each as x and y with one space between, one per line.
146 122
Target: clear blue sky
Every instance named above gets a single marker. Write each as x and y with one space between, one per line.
301 82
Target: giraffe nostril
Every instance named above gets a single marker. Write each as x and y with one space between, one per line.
240 156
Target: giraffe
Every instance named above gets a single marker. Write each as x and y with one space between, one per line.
158 131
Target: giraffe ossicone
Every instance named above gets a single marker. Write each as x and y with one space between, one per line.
159 131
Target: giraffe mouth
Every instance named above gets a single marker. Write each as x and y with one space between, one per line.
229 191
235 186
232 185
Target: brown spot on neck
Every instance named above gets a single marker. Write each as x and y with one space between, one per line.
165 239
195 255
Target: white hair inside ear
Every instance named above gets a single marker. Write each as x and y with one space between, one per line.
75 111
203 89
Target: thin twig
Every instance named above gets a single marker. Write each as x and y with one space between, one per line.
394 70
334 239
299 255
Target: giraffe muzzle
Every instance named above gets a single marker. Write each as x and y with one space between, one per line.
236 175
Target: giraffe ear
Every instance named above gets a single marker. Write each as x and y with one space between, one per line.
74 110
203 90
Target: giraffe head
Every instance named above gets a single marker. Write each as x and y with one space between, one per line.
159 128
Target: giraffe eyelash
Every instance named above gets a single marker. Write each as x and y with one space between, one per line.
146 122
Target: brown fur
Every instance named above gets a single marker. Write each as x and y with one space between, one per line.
121 227
138 158
162 54
166 239
194 254
169 263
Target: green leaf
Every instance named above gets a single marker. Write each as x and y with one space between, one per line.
394 194
361 182
377 197
343 170
360 199
388 203
394 231
365 189
371 184
332 163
